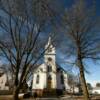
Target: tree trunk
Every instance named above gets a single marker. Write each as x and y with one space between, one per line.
15 93
83 82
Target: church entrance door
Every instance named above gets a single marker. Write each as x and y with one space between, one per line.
49 83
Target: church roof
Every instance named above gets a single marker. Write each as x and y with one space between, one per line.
59 68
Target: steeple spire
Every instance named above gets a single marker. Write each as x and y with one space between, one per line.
50 52
48 43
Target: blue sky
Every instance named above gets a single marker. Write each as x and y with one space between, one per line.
94 69
94 75
70 2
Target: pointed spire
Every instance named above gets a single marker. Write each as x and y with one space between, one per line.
49 44
49 41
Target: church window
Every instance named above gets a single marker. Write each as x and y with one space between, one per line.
49 59
37 79
62 79
64 88
41 69
7 84
49 68
50 50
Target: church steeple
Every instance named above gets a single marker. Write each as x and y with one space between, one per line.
49 41
50 51
50 60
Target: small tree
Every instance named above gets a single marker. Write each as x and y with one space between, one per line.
89 86
97 84
71 83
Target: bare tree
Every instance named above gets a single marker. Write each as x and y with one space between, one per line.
97 84
73 81
22 32
81 28
89 86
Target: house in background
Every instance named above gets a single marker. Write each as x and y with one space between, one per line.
3 80
96 90
49 78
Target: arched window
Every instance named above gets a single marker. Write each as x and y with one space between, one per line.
49 68
37 79
62 79
64 88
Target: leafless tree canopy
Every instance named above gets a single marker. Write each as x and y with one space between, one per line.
23 28
81 24
22 24
83 29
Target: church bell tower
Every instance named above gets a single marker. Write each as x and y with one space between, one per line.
50 61
50 54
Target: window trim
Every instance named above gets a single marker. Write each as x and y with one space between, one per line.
62 79
37 79
49 68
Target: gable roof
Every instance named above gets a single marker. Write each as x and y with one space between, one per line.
57 65
61 68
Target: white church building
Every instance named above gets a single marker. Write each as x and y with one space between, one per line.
3 80
49 77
